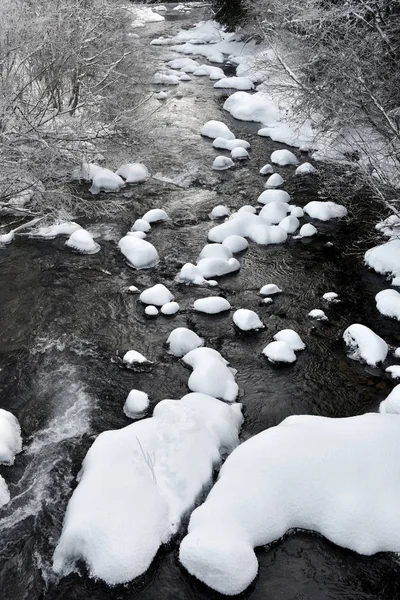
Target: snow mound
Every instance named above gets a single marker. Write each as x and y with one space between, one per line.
270 289
279 352
85 171
170 308
164 79
364 345
251 107
198 356
222 163
297 211
249 226
385 259
187 65
140 254
217 129
388 303
307 230
154 469
105 180
154 215
82 241
136 404
318 314
209 52
291 338
239 153
394 371
273 196
211 375
284 158
211 305
215 251
52 231
10 437
274 212
266 170
391 404
274 181
214 73
247 320
331 297
309 472
219 212
133 357
138 234
182 340
133 172
290 223
223 144
305 169
158 295
324 211
151 311
190 273
141 225
235 83
235 243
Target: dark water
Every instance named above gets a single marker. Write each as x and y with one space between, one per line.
66 318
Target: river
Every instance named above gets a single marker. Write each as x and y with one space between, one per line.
67 318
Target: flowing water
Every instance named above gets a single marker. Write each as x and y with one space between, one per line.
66 319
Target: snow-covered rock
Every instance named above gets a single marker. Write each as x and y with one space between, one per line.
190 273
305 169
391 404
217 267
247 208
239 153
247 320
270 289
105 180
133 357
82 241
210 52
215 251
164 79
284 158
185 77
211 305
235 243
151 311
251 107
266 170
309 472
52 231
388 303
140 254
170 308
385 259
279 352
187 65
158 295
222 163
199 356
324 211
217 129
274 212
274 181
154 471
219 212
182 340
307 230
331 297
394 372
136 404
133 172
10 437
132 289
249 226
273 196
138 234
297 211
290 223
291 338
211 375
154 215
85 171
317 314
235 83
365 345
141 225
213 73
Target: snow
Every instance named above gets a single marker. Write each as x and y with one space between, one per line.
274 181
251 107
247 320
185 77
223 144
209 52
141 225
10 438
305 169
164 79
266 170
308 230
199 356
190 273
249 226
239 153
219 212
82 241
217 129
140 254
273 196
133 172
151 311
215 251
291 338
396 352
235 83
136 404
394 371
86 171
170 308
385 259
187 65
389 227
154 470
133 357
211 375
211 305
214 73
132 289
138 234
391 404
154 215
388 303
290 223
279 352
274 212
309 472
318 314
142 15
222 163
365 345
158 295
235 243
331 297
324 211
182 340
247 208
284 158
270 289
297 211
52 231
105 180
161 95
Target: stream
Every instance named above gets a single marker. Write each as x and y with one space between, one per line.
66 319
